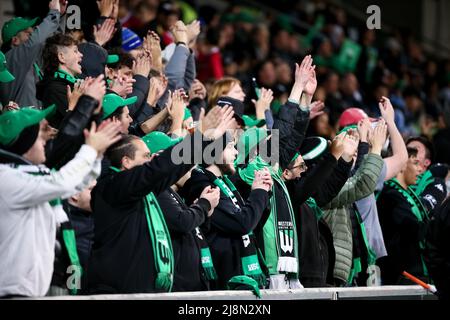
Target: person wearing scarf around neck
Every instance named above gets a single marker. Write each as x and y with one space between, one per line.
229 232
30 197
403 219
62 66
193 266
132 251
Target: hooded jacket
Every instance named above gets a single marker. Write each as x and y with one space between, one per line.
28 221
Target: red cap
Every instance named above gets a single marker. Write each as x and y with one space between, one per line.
352 116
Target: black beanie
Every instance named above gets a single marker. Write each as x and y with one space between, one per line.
25 141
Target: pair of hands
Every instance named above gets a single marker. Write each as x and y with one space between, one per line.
186 33
93 87
101 138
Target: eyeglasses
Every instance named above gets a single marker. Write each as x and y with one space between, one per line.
302 166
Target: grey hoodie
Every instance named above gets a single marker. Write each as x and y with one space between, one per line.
21 60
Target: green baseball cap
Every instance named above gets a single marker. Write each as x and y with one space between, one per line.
244 283
112 101
247 141
112 58
5 75
13 122
12 27
250 122
157 141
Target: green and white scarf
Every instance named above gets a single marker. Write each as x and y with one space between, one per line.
161 242
417 209
280 233
251 258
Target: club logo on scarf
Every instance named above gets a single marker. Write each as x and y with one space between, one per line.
198 233
246 240
163 247
286 237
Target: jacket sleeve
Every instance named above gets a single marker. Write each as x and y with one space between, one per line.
293 141
306 186
361 185
179 219
232 221
156 175
176 68
190 73
334 183
24 190
29 51
363 149
140 90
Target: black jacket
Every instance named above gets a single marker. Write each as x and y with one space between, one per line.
316 248
227 224
54 91
70 136
402 232
182 221
122 259
437 253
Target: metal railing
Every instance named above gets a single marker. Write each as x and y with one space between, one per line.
354 293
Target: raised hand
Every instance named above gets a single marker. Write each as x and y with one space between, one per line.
197 90
387 110
123 86
364 129
78 90
95 88
302 71
311 85
337 146
152 44
217 121
316 109
350 146
104 32
143 63
105 136
179 31
378 137
262 180
177 107
264 100
105 7
157 89
193 30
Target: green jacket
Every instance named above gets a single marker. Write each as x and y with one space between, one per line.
359 186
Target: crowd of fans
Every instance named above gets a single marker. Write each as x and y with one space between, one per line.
166 146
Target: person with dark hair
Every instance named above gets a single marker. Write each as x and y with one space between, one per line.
132 250
193 266
230 235
437 257
430 186
22 46
403 220
62 65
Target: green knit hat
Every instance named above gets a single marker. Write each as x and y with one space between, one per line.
13 122
247 141
112 101
157 141
12 27
5 75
